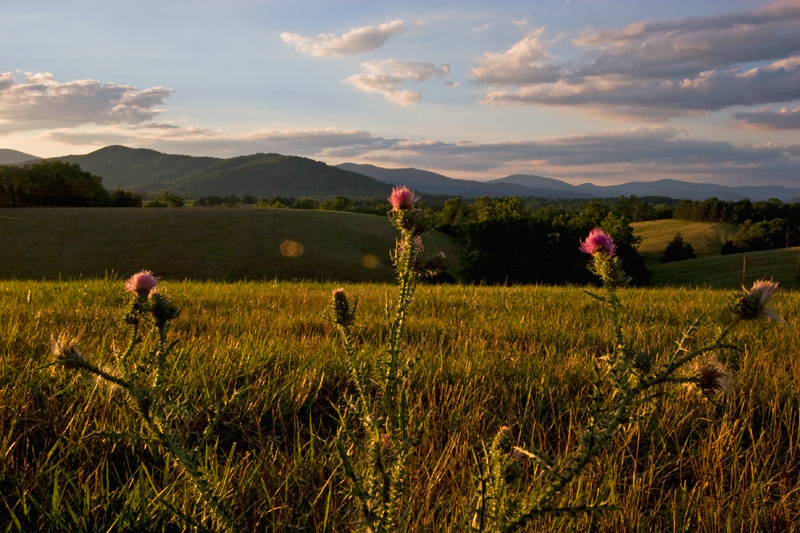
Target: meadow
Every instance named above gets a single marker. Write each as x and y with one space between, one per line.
486 357
201 243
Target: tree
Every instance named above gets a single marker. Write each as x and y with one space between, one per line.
678 250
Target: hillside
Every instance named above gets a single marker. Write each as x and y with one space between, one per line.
13 157
139 169
274 174
433 183
726 271
706 238
148 171
201 243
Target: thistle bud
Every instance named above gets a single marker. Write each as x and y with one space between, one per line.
162 308
752 305
710 376
343 313
65 349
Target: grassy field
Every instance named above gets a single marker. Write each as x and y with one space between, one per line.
201 243
486 357
706 238
726 271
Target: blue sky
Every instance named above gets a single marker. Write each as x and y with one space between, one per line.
580 90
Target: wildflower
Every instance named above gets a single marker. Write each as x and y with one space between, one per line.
402 198
343 314
711 376
141 283
65 348
753 304
598 241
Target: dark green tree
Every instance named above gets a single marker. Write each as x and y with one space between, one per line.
677 250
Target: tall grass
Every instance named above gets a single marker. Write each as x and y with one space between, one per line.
486 357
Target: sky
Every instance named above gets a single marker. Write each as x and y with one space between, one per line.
600 91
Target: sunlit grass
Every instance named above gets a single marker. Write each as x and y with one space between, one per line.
706 238
486 357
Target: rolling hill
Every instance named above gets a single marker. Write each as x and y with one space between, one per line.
706 238
433 183
148 171
14 157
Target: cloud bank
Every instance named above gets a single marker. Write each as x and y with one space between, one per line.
356 41
657 70
767 119
41 102
386 76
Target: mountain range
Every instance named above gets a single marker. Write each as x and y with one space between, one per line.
151 172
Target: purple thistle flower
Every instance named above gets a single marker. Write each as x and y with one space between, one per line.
402 198
141 283
598 241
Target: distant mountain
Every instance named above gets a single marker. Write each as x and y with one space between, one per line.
12 157
433 183
260 175
692 191
541 187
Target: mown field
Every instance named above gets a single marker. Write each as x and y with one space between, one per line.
706 238
201 243
486 357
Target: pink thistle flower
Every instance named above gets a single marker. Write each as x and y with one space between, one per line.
598 241
141 283
402 198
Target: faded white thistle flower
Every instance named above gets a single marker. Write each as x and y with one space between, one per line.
711 376
343 312
752 305
65 349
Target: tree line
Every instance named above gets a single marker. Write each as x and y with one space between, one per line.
58 184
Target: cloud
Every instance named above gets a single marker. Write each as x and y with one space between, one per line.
481 28
523 63
356 41
43 103
519 23
662 99
611 156
386 76
658 70
452 84
767 119
199 141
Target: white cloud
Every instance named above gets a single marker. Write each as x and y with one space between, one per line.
386 76
481 28
523 62
43 103
658 70
356 41
767 119
519 23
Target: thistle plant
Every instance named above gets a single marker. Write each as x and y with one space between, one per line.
380 480
627 383
142 377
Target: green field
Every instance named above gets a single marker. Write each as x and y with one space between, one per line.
486 357
731 271
706 238
201 243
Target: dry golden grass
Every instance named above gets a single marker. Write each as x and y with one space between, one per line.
486 357
706 238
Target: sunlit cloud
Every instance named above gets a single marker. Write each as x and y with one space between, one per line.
481 28
40 102
657 70
385 77
356 41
